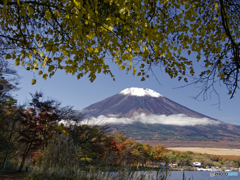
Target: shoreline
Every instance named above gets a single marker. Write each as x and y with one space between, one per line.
140 168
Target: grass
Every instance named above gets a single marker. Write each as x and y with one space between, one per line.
88 173
96 173
215 151
12 174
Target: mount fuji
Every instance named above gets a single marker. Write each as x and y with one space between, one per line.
148 116
139 103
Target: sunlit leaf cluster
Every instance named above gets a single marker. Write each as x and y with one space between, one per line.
80 36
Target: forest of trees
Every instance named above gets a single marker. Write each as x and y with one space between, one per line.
33 133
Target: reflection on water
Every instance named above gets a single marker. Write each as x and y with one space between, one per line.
196 175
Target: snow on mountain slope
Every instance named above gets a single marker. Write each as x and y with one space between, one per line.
133 91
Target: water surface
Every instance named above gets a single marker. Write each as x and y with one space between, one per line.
178 175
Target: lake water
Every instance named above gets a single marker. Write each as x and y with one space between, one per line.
178 175
192 175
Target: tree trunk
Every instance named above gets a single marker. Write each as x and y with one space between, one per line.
24 157
5 160
22 164
9 145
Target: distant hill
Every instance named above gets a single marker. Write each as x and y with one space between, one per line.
220 135
148 116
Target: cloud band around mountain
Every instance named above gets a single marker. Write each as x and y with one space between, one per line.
176 119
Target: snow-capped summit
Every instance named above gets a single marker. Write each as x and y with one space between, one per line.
134 91
134 101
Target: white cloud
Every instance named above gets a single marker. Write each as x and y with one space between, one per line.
177 119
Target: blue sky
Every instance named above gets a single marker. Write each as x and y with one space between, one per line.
82 93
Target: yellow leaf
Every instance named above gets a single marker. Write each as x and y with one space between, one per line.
54 49
17 62
80 75
221 75
23 12
8 56
216 6
28 64
78 3
48 16
96 50
134 70
65 53
91 35
230 92
48 48
51 68
13 56
35 64
40 73
90 49
45 76
208 71
110 28
33 81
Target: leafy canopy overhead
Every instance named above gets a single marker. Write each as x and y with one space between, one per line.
77 35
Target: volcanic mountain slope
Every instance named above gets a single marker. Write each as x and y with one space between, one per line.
148 116
134 101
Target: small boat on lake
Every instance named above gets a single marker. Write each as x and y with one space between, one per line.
215 170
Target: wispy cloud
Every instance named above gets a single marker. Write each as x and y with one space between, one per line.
177 119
